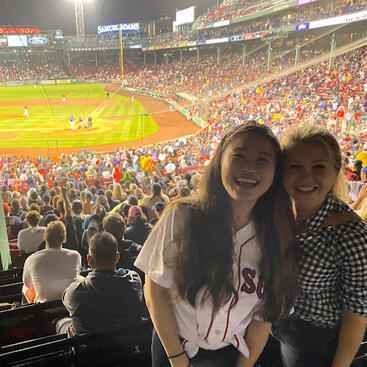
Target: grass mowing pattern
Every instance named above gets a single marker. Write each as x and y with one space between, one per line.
48 125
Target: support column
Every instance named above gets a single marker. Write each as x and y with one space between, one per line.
298 49
155 58
269 55
197 55
181 56
244 55
332 50
166 58
96 58
219 56
145 58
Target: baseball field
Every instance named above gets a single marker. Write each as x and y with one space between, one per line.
115 119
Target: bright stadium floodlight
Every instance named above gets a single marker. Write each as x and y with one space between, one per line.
79 17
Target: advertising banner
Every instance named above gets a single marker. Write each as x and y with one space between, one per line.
217 40
3 41
15 83
222 23
349 18
17 41
45 82
302 27
63 81
38 40
125 27
58 34
304 2
19 30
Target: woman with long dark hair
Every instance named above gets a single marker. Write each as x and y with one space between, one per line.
220 267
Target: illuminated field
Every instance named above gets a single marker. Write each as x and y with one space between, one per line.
115 119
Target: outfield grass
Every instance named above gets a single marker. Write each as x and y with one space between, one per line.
115 120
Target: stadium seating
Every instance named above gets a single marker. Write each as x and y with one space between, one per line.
127 346
13 275
29 321
11 292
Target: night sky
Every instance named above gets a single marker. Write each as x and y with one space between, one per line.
59 14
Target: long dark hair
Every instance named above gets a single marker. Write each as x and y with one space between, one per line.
207 250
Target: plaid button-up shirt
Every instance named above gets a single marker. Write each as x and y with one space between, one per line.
332 268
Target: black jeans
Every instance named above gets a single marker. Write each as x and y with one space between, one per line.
225 357
304 345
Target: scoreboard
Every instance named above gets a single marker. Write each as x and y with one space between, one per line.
22 37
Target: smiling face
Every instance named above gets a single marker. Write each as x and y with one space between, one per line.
309 176
247 169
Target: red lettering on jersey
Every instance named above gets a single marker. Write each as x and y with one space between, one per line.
260 289
248 275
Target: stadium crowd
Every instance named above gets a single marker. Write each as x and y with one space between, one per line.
118 197
25 67
33 67
245 8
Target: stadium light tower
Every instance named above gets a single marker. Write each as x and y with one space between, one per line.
79 17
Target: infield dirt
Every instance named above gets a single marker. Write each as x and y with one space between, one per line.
172 124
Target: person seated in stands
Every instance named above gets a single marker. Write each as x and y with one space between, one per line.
156 196
138 228
182 190
129 250
78 218
101 200
111 202
35 207
354 174
33 197
47 273
105 297
5 195
16 210
24 203
46 207
13 223
88 202
158 211
29 239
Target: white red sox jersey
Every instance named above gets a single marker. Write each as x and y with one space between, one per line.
197 326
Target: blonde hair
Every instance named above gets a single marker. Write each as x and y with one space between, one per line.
363 210
118 193
132 187
139 193
317 134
